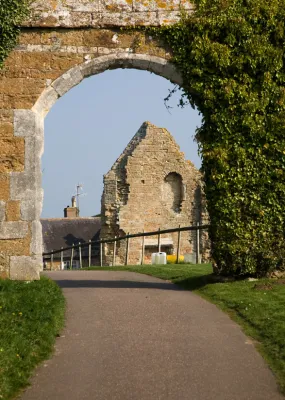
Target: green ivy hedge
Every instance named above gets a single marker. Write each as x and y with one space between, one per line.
12 14
231 56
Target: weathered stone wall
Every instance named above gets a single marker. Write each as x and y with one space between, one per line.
152 186
105 13
63 42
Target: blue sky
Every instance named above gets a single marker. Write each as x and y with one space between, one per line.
89 127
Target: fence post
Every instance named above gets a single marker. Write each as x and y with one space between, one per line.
142 261
71 257
80 255
197 244
159 245
101 254
51 261
178 246
61 259
114 251
127 250
89 253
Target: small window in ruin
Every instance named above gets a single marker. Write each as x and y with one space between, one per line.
173 191
142 180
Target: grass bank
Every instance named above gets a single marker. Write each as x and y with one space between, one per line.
31 316
259 306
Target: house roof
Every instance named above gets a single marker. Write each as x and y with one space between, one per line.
64 232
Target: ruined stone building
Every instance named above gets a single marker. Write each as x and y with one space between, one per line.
152 186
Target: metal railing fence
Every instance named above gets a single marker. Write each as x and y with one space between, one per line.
127 237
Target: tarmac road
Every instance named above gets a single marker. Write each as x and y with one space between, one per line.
134 337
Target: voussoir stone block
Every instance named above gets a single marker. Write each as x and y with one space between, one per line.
13 230
25 268
67 81
46 101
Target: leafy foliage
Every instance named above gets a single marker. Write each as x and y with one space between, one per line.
231 56
12 13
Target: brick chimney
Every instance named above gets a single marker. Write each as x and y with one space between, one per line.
73 211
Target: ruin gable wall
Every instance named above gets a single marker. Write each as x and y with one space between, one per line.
151 186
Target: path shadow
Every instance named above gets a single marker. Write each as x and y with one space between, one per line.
68 283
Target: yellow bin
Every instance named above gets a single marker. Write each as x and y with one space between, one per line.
172 259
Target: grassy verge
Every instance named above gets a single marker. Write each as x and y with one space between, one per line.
259 306
31 316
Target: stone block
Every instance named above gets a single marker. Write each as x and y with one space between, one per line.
98 37
25 268
67 81
168 17
71 38
26 123
2 210
118 5
62 62
12 154
37 239
171 73
13 230
141 61
36 61
4 266
154 5
6 129
31 210
25 186
13 211
98 65
34 150
45 101
4 186
6 116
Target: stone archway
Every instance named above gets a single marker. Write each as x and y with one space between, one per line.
25 191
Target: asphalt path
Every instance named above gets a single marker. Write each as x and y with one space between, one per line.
133 337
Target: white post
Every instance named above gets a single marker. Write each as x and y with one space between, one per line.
159 245
61 259
80 255
142 261
198 244
71 257
178 246
114 251
101 254
89 247
127 251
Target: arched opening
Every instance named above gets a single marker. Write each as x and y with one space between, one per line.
173 191
35 121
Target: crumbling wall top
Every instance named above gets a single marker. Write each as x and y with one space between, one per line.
105 13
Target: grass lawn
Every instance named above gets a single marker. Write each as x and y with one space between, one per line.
31 316
259 307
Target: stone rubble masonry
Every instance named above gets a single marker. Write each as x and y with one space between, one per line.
105 13
152 186
64 42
